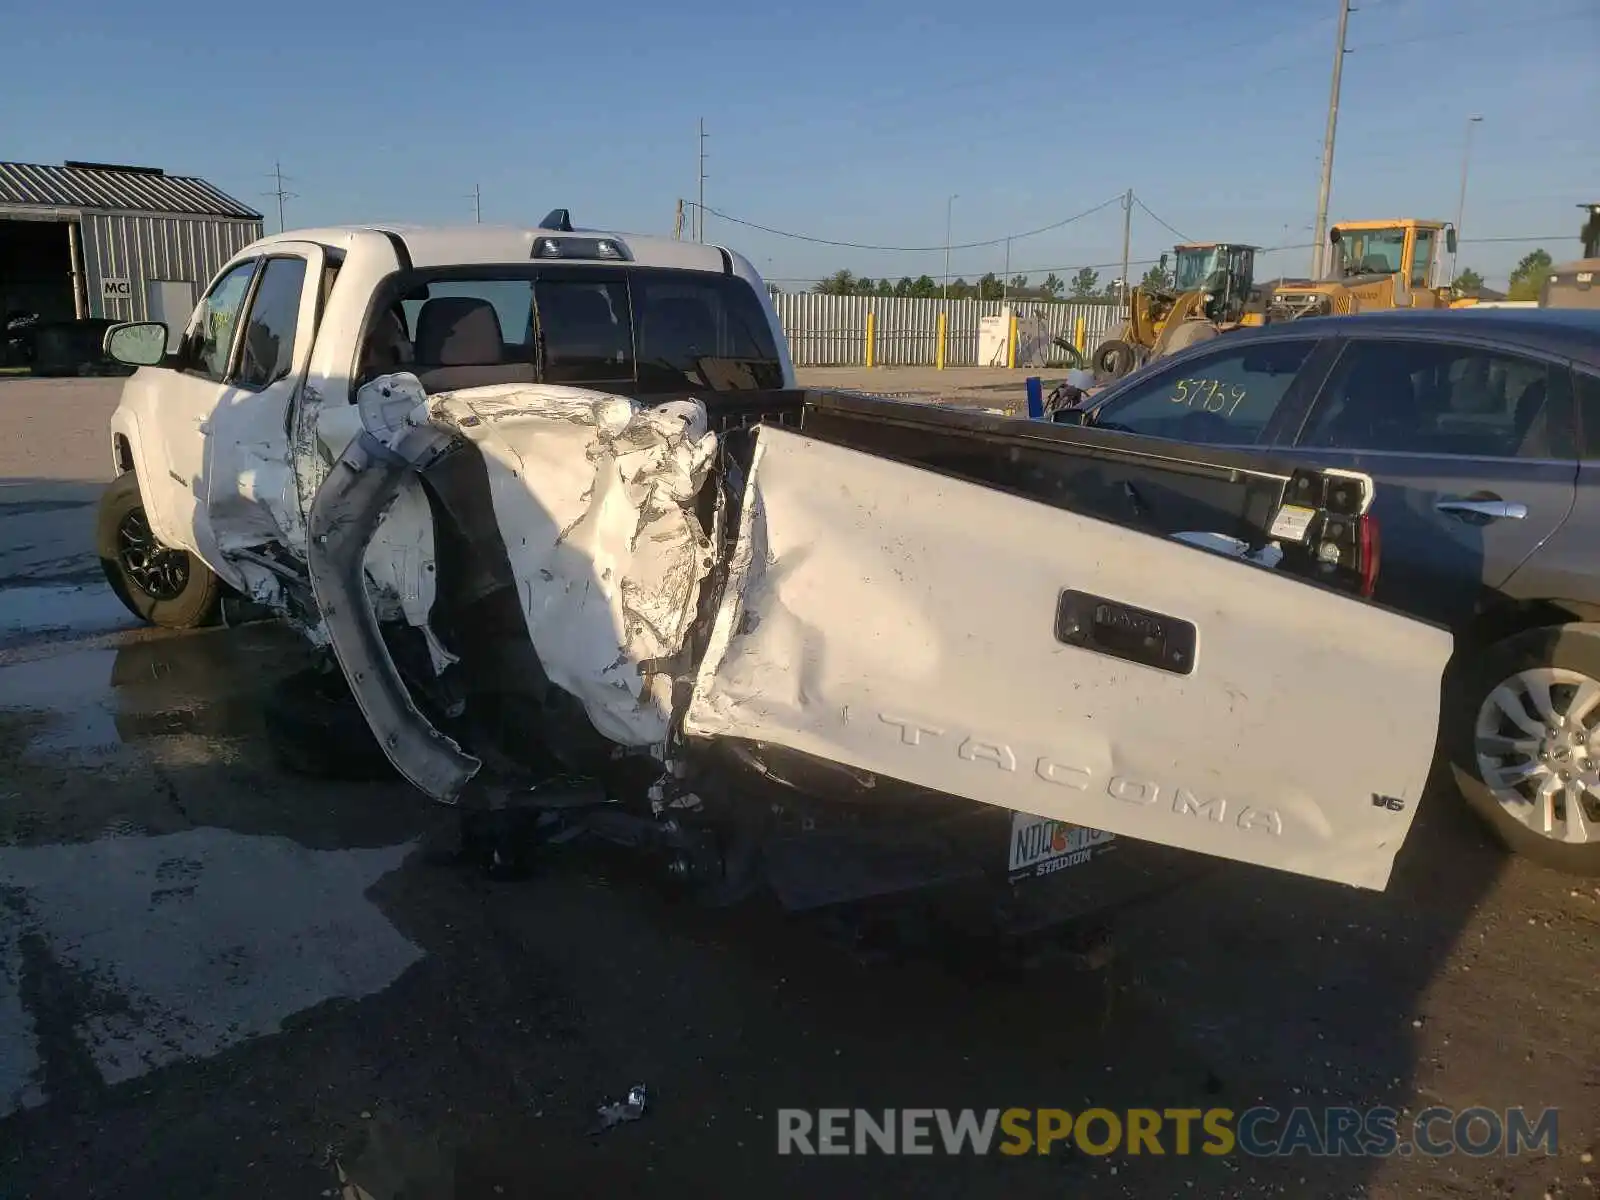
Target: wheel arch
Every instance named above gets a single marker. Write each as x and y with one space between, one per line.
1511 617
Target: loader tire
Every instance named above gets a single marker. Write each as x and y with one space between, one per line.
1114 359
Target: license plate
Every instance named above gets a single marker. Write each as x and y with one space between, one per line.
1042 845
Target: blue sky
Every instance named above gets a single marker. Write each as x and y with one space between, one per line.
850 121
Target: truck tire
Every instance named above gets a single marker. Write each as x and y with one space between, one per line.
1559 661
157 583
315 728
1113 359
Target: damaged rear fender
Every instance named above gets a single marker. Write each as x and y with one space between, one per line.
361 486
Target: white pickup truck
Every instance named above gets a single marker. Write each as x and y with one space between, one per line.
552 502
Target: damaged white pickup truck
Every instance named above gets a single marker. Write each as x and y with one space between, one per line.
581 550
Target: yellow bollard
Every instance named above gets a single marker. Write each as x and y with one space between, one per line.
938 360
872 337
1078 335
1011 343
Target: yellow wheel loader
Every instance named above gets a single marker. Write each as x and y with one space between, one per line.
1372 265
1212 291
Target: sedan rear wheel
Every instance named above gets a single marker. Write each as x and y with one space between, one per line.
1523 736
1538 749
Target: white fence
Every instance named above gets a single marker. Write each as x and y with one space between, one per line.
831 331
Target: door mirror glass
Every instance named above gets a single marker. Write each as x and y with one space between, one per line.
1450 240
143 344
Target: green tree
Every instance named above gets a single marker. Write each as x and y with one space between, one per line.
840 283
1156 279
1528 278
885 287
863 287
903 286
1084 284
1053 286
924 287
990 287
1468 283
1019 285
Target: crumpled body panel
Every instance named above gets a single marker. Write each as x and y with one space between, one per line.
594 497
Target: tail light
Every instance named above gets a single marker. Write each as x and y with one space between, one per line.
1327 531
1371 550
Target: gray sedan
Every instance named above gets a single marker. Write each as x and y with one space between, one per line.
1482 429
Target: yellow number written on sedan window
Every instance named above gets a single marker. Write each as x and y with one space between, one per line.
1211 395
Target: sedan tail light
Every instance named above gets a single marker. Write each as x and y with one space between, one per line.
1371 551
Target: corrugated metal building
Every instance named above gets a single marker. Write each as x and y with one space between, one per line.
99 240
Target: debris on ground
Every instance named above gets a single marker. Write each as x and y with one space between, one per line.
620 1111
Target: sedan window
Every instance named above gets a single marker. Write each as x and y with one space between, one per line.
1425 398
1223 398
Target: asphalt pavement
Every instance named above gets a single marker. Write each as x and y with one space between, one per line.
221 980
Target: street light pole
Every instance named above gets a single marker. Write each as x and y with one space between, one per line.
1461 204
948 206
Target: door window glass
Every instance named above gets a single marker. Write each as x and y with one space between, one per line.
268 350
1422 259
210 337
1419 398
1225 398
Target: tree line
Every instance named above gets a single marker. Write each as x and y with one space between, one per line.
1086 284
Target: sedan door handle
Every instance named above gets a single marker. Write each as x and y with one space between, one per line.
1488 510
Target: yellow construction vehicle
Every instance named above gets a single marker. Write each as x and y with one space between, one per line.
1212 291
1372 265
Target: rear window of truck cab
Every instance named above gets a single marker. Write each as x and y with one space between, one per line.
638 329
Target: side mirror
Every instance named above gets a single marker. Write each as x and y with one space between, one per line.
1163 262
1070 416
1450 239
1334 235
141 344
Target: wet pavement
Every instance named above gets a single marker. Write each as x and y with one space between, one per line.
219 979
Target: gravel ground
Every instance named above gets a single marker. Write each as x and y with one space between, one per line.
218 980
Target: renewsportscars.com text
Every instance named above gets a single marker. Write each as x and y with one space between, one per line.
1258 1132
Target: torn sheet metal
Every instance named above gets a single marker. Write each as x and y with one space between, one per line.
360 488
905 623
594 497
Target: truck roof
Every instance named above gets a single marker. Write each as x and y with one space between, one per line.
473 245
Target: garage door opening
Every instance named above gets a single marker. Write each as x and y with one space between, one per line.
36 269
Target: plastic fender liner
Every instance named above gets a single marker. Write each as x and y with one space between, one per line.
344 516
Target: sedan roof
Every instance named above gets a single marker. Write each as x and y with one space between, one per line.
1569 332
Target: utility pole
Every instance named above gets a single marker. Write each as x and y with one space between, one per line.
477 205
1127 235
277 171
948 206
1005 279
677 222
1461 204
700 208
1319 235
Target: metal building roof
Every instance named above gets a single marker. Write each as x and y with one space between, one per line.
137 189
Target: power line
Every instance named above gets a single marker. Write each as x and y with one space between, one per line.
1469 30
1183 237
821 241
